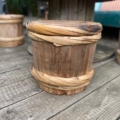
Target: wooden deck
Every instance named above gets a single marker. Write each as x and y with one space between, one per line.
22 99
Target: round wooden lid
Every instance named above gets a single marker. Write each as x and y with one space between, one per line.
64 27
10 17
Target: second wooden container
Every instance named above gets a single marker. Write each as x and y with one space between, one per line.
11 30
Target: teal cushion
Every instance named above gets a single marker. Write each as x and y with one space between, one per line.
111 18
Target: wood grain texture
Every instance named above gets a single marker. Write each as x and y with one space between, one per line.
15 76
64 27
66 61
18 91
15 64
54 9
6 51
103 104
60 85
81 10
89 15
13 55
11 30
56 67
62 62
64 10
36 106
71 10
65 40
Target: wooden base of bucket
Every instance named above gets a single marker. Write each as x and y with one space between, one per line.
59 85
61 92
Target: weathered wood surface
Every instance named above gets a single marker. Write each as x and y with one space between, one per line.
22 99
15 76
95 65
63 27
34 104
72 60
11 30
16 92
15 63
71 10
102 104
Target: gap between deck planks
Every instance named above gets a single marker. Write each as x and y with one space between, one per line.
43 105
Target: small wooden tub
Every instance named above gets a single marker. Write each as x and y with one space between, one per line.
63 53
11 30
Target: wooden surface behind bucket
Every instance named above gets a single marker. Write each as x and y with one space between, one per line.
65 61
11 30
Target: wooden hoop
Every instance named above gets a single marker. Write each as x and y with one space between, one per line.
65 40
11 39
10 17
11 21
11 44
60 83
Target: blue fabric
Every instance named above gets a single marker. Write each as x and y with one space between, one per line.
98 6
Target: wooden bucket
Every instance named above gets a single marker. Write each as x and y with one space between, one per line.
63 53
11 30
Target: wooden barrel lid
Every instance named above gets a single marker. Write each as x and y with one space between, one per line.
10 17
64 27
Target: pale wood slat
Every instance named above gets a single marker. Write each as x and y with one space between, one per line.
44 105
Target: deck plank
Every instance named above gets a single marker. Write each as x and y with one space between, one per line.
18 91
4 51
103 104
15 63
13 55
44 105
15 76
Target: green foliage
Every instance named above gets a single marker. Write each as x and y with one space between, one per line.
15 6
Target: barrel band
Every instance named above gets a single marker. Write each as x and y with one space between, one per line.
65 40
11 39
62 83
